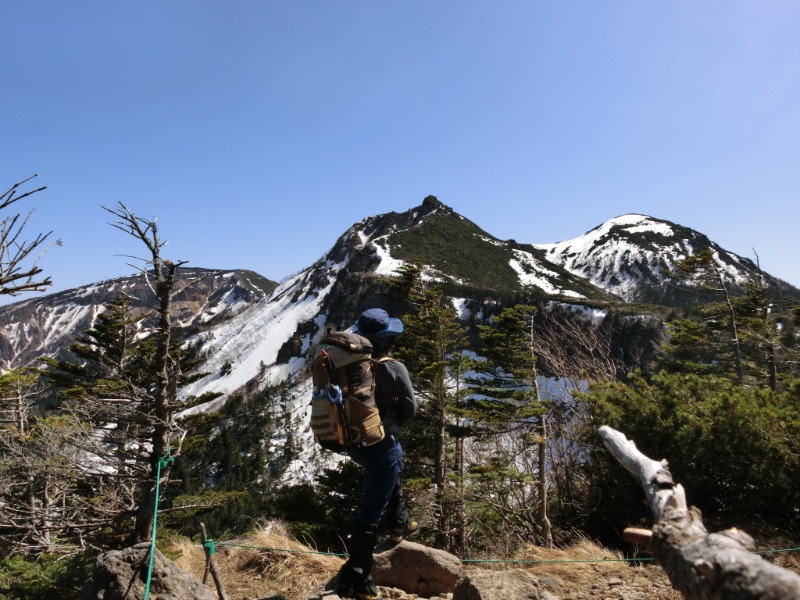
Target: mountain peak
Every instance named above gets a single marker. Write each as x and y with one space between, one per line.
430 204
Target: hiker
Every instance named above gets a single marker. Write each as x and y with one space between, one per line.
382 496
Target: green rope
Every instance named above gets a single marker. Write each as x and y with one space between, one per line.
162 462
209 547
536 562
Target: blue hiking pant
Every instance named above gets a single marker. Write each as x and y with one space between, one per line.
382 464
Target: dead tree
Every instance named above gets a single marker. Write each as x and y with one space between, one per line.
19 265
701 565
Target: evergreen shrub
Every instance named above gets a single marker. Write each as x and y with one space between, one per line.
735 449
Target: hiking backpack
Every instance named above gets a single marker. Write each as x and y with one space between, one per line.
344 413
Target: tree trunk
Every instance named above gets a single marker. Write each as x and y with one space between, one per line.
21 409
461 516
162 427
545 531
773 366
734 330
46 522
442 539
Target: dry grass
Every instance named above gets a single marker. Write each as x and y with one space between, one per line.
577 564
267 564
584 568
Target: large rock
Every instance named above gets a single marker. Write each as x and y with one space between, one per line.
122 575
499 585
417 569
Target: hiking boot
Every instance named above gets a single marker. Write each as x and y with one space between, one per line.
357 587
400 533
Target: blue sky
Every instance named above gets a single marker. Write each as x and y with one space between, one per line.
257 132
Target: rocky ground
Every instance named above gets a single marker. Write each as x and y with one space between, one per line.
582 571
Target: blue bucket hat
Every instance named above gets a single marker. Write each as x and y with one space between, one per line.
376 322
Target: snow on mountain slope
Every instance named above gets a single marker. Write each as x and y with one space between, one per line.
631 251
454 250
247 345
532 272
46 325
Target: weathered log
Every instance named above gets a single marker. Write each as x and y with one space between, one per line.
701 565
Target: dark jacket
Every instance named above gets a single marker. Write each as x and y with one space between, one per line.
394 396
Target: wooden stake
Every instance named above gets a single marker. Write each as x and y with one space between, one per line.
210 566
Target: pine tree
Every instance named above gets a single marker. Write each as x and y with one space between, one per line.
42 488
129 389
735 447
432 348
103 382
761 355
166 366
510 401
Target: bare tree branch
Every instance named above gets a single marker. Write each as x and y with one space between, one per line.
8 197
16 276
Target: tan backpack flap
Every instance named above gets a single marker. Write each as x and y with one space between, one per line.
342 348
341 357
365 422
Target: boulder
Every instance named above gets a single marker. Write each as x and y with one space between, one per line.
498 585
122 575
417 569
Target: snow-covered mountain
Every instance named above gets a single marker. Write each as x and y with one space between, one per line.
632 256
45 325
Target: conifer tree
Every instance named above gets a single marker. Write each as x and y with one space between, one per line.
736 447
53 494
43 491
703 270
102 383
432 348
741 336
161 273
510 400
130 389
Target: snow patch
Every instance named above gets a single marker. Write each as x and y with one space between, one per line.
462 310
532 272
388 265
